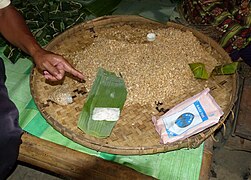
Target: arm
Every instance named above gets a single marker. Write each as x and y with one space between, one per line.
14 29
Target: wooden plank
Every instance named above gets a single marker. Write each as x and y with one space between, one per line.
70 163
207 159
238 144
243 122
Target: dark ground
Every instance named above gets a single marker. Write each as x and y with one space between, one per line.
230 163
232 152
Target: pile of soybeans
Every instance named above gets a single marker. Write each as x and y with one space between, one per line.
153 71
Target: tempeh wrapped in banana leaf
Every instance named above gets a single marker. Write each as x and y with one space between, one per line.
199 70
103 104
225 69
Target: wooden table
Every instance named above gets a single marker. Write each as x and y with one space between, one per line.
70 163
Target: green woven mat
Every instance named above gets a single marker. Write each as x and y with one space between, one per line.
180 164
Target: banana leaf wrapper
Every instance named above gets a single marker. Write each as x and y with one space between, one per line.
199 70
225 69
108 91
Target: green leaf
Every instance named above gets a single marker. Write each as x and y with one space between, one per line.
199 70
34 24
2 42
99 7
13 54
108 91
157 10
225 69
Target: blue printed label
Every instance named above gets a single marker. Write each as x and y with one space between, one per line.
201 111
184 120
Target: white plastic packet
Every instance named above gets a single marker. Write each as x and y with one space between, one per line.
188 118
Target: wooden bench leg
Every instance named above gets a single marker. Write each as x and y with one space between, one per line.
207 159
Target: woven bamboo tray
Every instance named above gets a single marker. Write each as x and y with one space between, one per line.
134 133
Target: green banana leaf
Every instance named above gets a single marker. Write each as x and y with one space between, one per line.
108 92
199 70
100 7
225 69
157 10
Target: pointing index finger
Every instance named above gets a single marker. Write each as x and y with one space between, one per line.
68 68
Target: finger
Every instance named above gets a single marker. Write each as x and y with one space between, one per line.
68 68
45 72
50 77
53 71
62 72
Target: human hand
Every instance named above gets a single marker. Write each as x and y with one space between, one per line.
54 66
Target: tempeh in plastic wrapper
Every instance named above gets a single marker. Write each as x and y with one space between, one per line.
188 118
